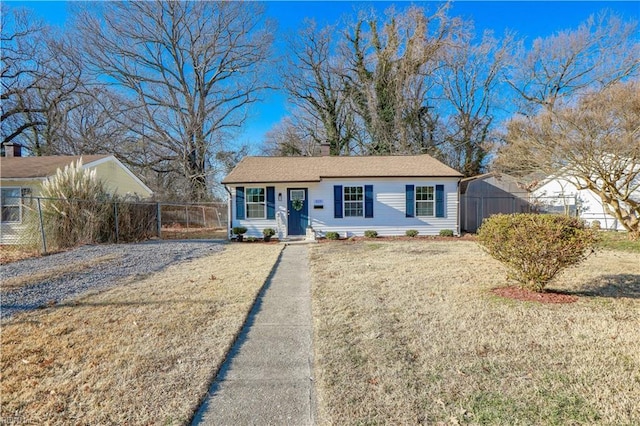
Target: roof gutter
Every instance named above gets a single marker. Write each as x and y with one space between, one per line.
229 212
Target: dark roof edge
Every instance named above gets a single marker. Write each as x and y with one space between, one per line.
225 182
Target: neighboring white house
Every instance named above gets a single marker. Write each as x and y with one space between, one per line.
348 195
559 194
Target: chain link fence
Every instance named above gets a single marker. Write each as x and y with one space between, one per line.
52 223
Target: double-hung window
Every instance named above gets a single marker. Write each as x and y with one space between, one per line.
425 201
353 201
255 203
12 200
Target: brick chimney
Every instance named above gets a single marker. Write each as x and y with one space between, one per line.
325 150
12 150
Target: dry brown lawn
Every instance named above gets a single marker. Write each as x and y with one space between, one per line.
179 233
12 253
409 333
144 352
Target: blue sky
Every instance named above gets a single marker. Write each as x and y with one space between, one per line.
529 19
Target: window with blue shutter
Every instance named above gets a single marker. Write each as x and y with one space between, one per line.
240 202
271 202
337 201
409 195
368 201
439 200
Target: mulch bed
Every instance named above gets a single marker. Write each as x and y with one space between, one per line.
464 237
518 293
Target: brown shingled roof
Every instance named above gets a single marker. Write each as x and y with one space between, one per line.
40 167
313 169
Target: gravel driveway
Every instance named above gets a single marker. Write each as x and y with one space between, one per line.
128 260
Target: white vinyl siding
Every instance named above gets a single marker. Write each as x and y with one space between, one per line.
389 204
389 207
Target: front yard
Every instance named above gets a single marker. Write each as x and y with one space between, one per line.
406 332
409 333
144 352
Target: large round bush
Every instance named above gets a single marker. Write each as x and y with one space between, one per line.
536 247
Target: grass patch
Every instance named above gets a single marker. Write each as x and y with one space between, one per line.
194 233
618 241
54 273
409 333
12 253
140 353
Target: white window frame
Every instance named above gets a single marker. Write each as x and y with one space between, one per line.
254 203
345 201
13 204
297 194
432 201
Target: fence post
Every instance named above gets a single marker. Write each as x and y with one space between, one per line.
115 213
44 237
186 210
159 220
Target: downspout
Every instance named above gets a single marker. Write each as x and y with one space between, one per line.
459 212
229 212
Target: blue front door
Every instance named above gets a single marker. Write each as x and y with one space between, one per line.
298 209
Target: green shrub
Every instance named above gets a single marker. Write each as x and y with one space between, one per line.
411 233
371 233
595 224
446 233
268 232
239 230
536 247
332 235
252 239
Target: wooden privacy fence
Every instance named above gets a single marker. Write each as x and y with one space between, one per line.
475 209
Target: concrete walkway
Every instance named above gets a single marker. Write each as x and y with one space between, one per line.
267 376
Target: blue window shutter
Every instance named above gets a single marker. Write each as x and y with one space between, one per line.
337 201
410 201
271 202
439 200
368 201
240 202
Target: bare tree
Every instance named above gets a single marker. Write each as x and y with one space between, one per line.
39 79
600 52
387 76
594 144
312 78
469 81
289 137
189 71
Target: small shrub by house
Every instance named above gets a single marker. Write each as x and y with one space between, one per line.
536 247
267 233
